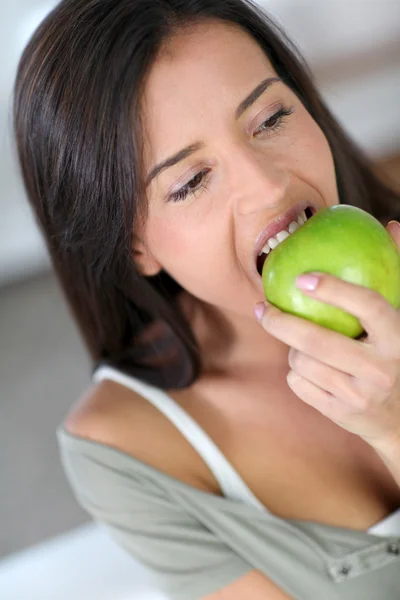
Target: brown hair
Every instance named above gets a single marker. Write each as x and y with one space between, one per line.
79 141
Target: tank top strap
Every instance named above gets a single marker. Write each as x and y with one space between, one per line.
231 484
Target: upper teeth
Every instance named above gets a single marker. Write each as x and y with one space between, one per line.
275 240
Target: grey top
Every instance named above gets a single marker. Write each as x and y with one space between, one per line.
196 543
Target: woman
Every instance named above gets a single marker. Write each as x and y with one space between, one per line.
158 140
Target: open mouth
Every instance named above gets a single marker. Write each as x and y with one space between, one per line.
309 211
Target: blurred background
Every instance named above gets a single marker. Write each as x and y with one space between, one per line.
48 546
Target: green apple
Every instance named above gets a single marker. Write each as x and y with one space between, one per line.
346 242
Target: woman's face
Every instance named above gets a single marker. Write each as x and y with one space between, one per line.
206 211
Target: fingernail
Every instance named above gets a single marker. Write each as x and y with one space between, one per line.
396 223
307 282
259 310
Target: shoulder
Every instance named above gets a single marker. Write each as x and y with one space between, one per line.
115 416
96 415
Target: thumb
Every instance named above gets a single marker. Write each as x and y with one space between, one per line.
393 227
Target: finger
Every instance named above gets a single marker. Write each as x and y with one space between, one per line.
314 396
376 315
393 228
330 347
342 385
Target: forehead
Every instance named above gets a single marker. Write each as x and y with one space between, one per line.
199 75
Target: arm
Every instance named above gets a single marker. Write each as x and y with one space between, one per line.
252 586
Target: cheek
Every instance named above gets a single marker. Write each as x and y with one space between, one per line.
195 256
317 162
174 242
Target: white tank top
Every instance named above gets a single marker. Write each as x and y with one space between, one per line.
230 482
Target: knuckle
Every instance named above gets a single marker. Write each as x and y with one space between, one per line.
310 339
383 379
377 303
388 379
362 401
357 397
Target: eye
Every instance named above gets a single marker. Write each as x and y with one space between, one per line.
271 125
190 187
277 120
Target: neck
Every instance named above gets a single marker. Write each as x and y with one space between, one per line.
229 341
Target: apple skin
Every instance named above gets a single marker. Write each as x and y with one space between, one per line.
346 242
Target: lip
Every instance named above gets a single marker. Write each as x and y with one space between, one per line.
278 224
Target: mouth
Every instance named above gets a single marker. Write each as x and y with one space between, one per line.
279 230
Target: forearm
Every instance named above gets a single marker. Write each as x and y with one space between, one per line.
390 454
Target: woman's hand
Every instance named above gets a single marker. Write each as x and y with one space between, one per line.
355 383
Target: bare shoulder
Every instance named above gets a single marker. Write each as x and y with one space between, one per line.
94 416
114 415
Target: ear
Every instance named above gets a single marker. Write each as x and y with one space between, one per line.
148 266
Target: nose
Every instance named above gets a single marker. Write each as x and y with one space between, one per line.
260 183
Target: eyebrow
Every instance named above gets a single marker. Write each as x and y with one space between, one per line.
185 152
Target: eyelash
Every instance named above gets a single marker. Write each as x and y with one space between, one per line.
185 191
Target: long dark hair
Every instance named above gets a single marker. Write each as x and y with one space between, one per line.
79 143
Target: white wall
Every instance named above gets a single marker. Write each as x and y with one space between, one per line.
353 47
21 248
82 564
